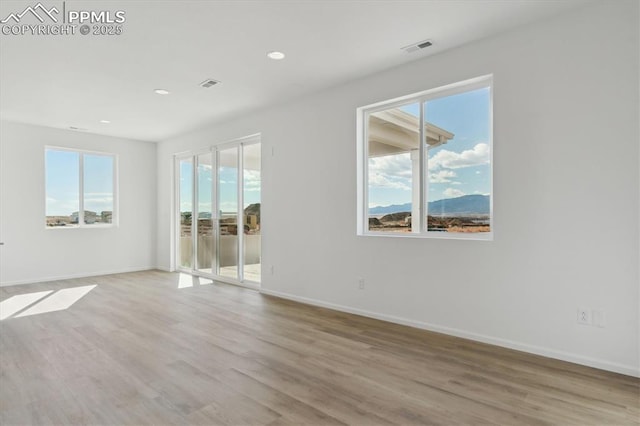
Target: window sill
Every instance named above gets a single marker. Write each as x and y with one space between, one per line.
105 226
484 236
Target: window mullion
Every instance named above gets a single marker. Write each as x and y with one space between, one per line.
81 192
194 212
240 212
423 173
114 192
218 210
365 174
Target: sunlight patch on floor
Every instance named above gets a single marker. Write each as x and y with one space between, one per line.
186 280
19 302
58 301
23 305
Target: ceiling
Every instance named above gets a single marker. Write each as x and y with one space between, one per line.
76 81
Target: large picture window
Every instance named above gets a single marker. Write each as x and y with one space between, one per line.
425 163
80 188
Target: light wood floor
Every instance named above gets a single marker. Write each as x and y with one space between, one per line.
138 350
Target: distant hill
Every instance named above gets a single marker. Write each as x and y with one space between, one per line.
394 208
395 217
253 209
467 204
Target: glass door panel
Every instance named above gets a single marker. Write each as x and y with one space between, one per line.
218 206
185 203
205 245
228 216
251 212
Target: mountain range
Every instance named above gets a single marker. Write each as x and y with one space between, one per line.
467 204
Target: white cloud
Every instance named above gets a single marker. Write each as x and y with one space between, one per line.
252 180
391 171
228 207
445 159
452 193
381 181
204 207
443 176
398 165
98 194
62 207
98 199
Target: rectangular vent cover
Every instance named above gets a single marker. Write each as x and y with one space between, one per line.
209 82
417 46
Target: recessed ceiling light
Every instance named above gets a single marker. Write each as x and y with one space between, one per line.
105 121
161 92
276 55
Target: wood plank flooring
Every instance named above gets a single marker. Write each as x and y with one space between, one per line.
138 350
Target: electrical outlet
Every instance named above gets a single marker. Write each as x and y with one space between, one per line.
584 316
597 318
361 283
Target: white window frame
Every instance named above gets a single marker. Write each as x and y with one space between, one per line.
362 120
81 153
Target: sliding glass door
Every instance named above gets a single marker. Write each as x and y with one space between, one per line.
218 212
185 212
251 238
228 206
205 244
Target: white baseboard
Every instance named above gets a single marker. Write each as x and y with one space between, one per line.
71 276
537 350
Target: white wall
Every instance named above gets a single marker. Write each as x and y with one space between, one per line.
33 253
566 196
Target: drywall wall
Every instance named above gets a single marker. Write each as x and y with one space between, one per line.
566 196
33 253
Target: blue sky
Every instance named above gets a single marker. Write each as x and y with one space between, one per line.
460 167
63 182
228 188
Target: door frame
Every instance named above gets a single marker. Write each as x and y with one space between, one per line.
215 214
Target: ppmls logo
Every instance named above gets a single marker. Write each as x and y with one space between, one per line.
33 11
42 20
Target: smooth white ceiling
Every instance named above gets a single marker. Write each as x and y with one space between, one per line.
63 81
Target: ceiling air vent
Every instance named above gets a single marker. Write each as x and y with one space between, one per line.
208 83
417 46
